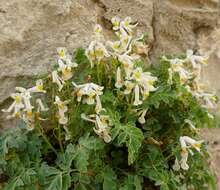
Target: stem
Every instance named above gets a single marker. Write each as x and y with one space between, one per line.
98 73
46 140
59 138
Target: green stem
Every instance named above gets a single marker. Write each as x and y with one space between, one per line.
59 138
98 73
46 140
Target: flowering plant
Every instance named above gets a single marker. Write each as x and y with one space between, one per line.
107 119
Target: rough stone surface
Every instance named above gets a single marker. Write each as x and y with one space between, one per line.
30 31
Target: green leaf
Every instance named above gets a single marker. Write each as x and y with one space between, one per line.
80 187
137 183
65 159
56 183
87 145
109 179
131 136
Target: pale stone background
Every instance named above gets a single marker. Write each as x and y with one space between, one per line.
30 31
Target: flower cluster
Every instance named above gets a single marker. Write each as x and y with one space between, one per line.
186 144
189 70
65 68
128 50
22 107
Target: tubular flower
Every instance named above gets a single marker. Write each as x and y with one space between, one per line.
176 166
27 102
102 125
98 107
38 88
116 23
141 118
190 123
62 108
16 106
65 57
145 80
89 92
184 158
192 143
101 128
127 25
65 63
142 83
128 64
187 143
97 51
137 100
56 79
65 70
177 66
209 100
195 60
119 81
62 53
139 46
129 87
184 155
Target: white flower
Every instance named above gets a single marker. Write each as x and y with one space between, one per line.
89 91
137 74
98 107
141 119
119 81
190 123
101 128
128 64
137 100
56 79
38 88
98 28
145 80
126 42
209 100
116 46
62 108
177 65
129 87
176 166
65 70
27 102
65 63
184 158
116 23
67 133
195 60
101 125
62 52
127 25
139 46
16 106
96 52
191 142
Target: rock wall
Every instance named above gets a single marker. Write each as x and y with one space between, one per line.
30 31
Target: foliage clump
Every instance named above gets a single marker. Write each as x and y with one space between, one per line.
107 119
